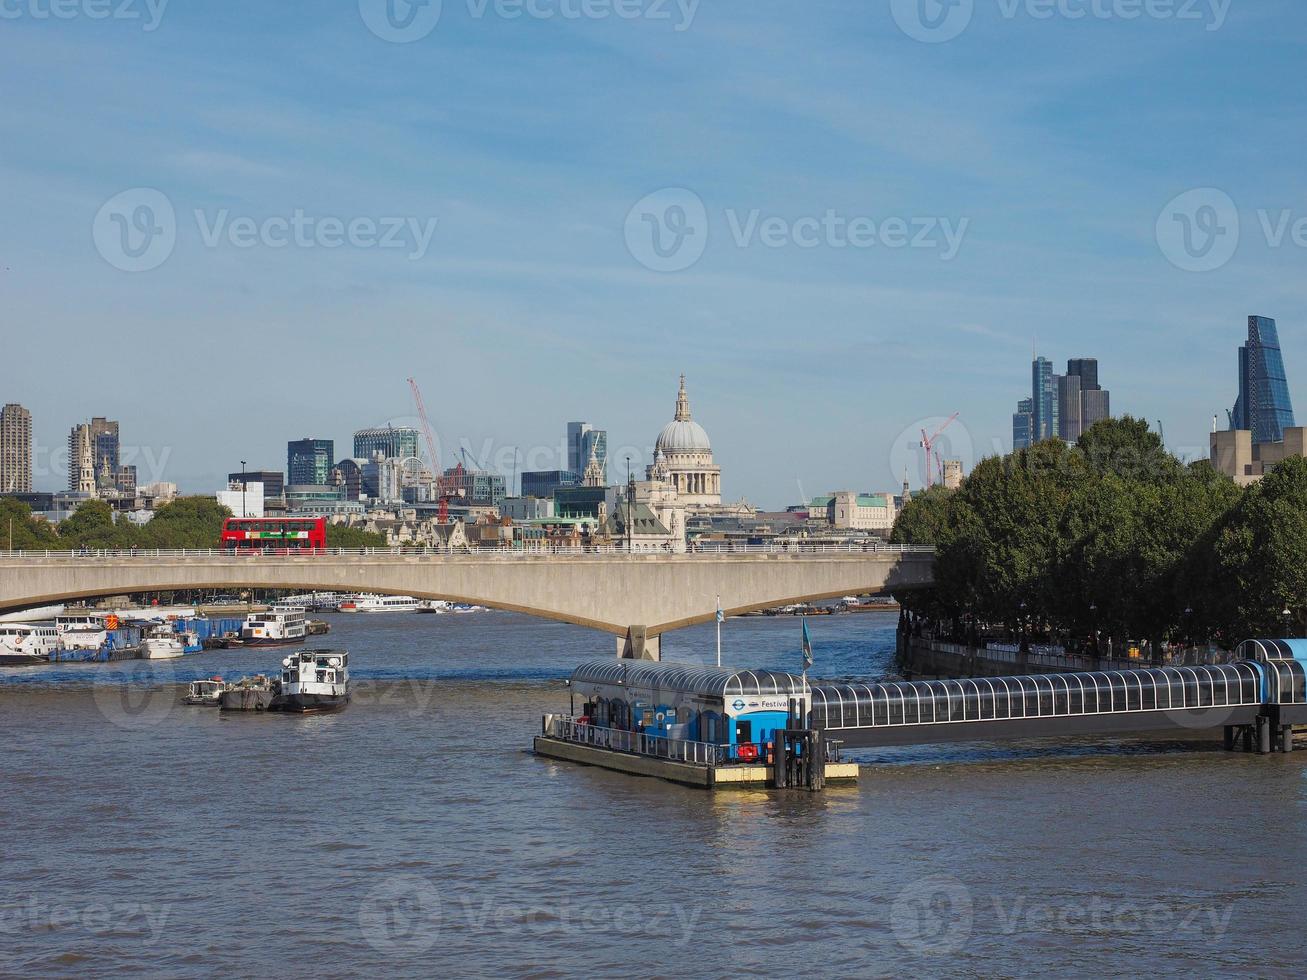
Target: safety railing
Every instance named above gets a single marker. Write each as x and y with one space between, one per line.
411 551
637 743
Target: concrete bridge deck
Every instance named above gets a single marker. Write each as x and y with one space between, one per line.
635 596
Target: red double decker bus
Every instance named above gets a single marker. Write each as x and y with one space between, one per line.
274 533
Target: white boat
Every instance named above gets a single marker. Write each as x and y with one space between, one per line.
380 603
463 607
285 624
25 644
207 692
83 631
437 606
161 642
313 680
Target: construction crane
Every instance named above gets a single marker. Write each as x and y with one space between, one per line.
429 435
928 444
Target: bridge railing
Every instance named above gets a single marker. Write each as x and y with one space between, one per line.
417 551
638 743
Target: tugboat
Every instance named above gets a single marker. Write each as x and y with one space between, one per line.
207 692
313 680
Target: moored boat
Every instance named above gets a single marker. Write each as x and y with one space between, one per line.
278 626
380 603
248 694
313 680
161 642
26 644
207 692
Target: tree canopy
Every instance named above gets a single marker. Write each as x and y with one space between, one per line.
1115 535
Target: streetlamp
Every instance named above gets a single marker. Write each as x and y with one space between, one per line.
1288 620
243 485
1023 626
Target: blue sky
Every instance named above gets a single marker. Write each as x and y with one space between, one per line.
1051 147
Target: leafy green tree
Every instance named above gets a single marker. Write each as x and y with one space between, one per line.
20 531
924 519
92 526
1260 557
341 536
187 522
1127 448
1003 538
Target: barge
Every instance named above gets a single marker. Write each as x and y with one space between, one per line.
710 727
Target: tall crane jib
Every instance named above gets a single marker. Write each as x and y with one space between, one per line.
429 436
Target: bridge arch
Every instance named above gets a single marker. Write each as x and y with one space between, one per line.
615 592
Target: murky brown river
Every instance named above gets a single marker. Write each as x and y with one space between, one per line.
413 834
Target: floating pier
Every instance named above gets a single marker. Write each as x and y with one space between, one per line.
699 726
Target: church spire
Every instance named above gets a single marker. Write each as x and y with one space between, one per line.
682 404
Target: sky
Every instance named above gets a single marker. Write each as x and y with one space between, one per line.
230 225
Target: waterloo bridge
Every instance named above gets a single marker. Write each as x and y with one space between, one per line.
635 597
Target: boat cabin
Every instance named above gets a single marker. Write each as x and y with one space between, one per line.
743 709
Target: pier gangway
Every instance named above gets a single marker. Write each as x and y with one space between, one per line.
1264 690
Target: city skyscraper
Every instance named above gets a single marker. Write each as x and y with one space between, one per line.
309 461
1070 417
15 449
1043 395
1023 424
1086 369
1263 405
393 442
1060 406
104 446
583 440
575 435
81 459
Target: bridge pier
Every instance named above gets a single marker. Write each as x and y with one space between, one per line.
637 644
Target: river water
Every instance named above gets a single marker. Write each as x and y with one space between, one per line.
414 835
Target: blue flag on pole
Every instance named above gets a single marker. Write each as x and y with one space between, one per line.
807 645
721 616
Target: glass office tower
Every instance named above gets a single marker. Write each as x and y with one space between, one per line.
1043 393
1264 405
309 461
